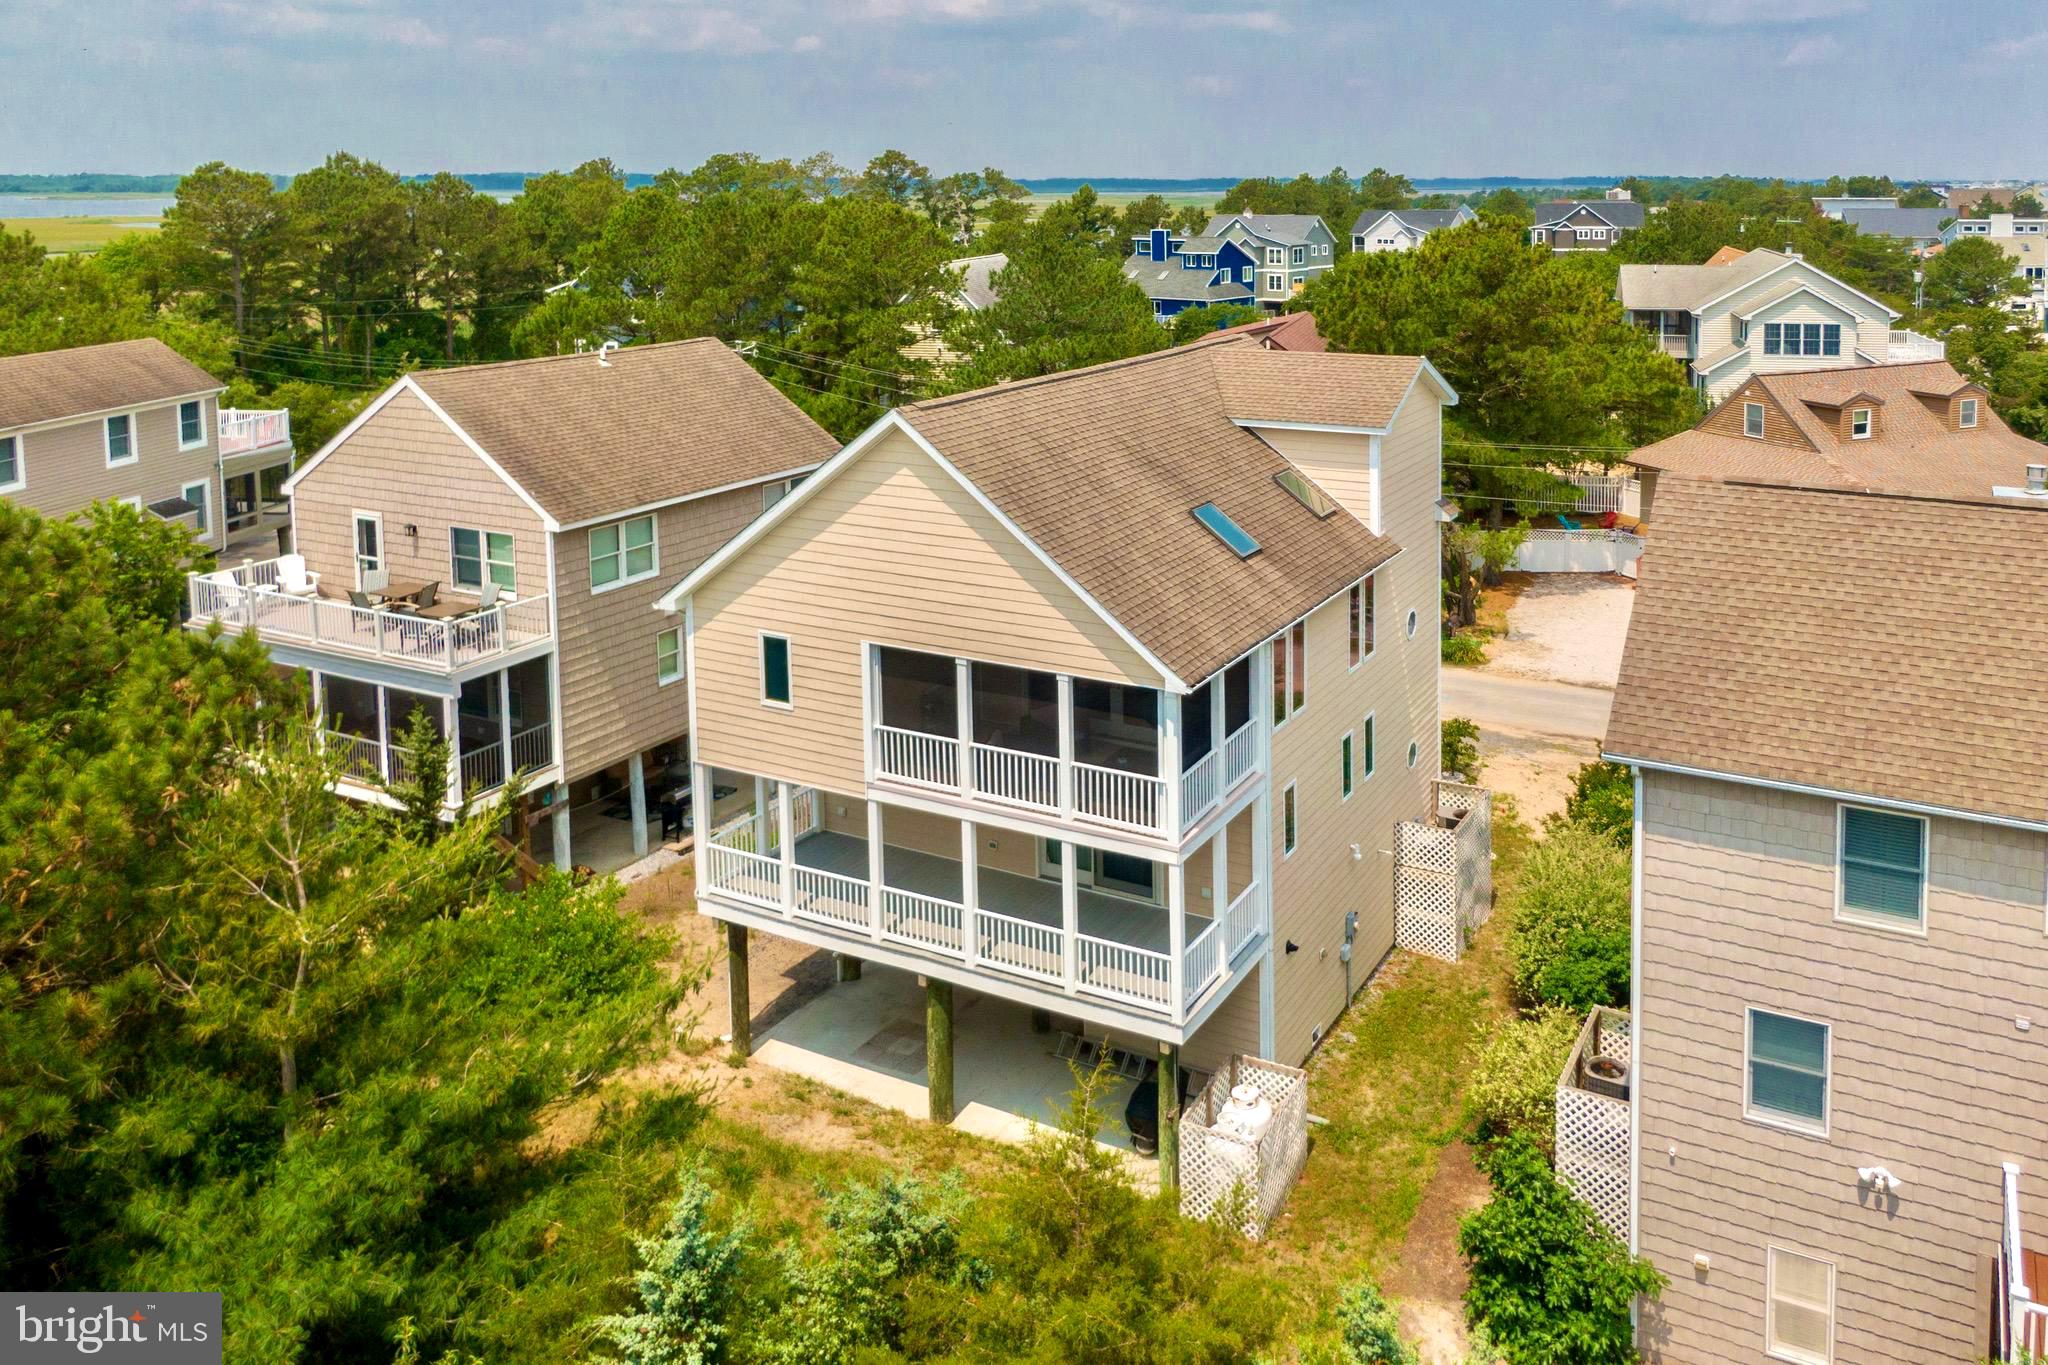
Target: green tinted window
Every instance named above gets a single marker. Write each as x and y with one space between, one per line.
1883 864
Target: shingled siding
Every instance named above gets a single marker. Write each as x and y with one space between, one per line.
613 702
1931 1076
1397 684
67 469
405 463
893 552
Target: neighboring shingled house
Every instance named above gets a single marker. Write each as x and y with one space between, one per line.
1404 229
1584 224
1254 258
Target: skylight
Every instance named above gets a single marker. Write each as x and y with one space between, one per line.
1226 530
1310 496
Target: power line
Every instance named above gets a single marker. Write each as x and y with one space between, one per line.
790 350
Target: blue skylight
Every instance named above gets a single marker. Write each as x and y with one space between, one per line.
1226 530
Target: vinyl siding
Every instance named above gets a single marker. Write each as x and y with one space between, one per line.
1337 461
1398 683
407 464
613 703
1865 329
893 552
1929 1073
67 465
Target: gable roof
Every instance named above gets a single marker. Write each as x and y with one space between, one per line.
48 386
1910 452
976 291
1783 662
1288 332
1693 288
1887 219
1173 280
1622 213
1419 220
654 424
1726 255
1099 470
1286 229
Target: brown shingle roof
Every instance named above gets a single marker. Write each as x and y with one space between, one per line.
50 385
1102 469
656 423
1912 450
1288 332
1852 642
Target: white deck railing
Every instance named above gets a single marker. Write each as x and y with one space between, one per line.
1123 970
1019 945
922 921
1014 775
1907 347
483 768
830 897
1241 920
751 877
1240 754
2023 1333
1200 785
1203 961
362 758
245 429
533 748
1113 796
914 756
246 598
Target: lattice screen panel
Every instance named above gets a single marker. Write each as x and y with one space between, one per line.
1221 1173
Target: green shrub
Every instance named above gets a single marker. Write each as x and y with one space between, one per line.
1604 798
1463 650
1514 1085
1568 923
1550 1285
689 1277
1371 1331
1460 743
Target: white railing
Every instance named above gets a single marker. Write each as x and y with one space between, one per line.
1241 921
246 598
1013 775
1608 493
2023 1335
1199 787
922 921
736 833
830 897
533 747
1123 970
1019 945
1240 754
361 758
1909 347
483 768
1131 800
916 756
749 876
804 811
245 429
1202 961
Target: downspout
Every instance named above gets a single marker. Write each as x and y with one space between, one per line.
1635 1040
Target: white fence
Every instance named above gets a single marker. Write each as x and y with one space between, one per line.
1604 492
1443 872
1579 552
245 429
1222 1174
1592 1127
1908 347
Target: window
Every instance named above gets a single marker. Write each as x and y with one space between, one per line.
1830 339
1287 826
775 670
1966 413
120 440
1799 1310
1300 256
772 493
1536 236
475 556
1883 874
1361 622
369 545
1344 763
1413 620
200 495
1813 338
1365 740
13 472
1788 1071
191 424
1290 672
1414 752
1275 256
621 553
1753 419
668 657
1275 283
1859 424
2035 272
1224 529
1306 493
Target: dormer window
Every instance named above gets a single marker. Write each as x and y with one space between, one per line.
1859 424
1753 420
1966 413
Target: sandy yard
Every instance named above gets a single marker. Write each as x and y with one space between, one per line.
1566 627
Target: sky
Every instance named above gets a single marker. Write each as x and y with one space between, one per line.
1192 88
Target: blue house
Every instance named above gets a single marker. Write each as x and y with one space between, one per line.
1177 273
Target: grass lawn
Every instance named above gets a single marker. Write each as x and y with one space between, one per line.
77 234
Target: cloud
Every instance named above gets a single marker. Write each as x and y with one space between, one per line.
1213 85
1812 51
1744 13
663 26
807 42
2026 46
1255 21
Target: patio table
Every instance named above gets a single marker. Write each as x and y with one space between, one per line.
399 592
445 611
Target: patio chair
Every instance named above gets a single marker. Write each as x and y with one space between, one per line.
358 598
1568 523
294 579
487 597
376 580
425 596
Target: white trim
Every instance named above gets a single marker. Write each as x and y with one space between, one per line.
1369 727
483 558
1976 409
625 579
133 500
205 485
1872 919
1763 419
672 679
1766 304
148 405
1830 793
1290 822
1869 424
1409 626
1635 1014
1790 1123
20 480
853 451
762 637
1347 765
1787 264
376 406
178 418
356 517
1578 204
801 471
1253 423
134 439
1771 1249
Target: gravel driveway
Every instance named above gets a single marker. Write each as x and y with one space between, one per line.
1566 627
